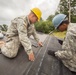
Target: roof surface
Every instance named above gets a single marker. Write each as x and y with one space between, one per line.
44 64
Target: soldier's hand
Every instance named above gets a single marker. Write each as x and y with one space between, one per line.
1 43
40 44
31 56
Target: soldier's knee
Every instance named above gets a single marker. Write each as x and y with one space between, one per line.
9 54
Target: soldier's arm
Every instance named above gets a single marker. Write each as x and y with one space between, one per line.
68 45
22 32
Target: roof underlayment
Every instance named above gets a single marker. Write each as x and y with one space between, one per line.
44 64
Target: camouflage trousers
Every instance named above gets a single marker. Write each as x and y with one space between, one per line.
11 46
68 59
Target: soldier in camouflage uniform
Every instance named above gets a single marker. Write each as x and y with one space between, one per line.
68 53
20 30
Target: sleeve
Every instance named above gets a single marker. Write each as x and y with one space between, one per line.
22 32
35 35
69 46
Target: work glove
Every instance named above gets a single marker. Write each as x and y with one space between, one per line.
60 41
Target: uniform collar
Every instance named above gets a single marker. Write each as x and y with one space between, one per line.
28 20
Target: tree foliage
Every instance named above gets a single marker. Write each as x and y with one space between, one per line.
64 8
3 27
44 26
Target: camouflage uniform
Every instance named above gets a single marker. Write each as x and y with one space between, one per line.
18 33
68 55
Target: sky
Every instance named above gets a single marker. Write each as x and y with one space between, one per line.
9 9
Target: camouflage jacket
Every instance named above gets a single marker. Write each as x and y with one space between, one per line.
68 55
21 27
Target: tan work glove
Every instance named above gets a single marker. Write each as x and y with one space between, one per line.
40 44
31 56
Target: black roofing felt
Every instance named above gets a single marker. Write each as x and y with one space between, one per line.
43 64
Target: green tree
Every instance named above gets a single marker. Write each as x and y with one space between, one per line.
3 27
50 17
64 8
44 26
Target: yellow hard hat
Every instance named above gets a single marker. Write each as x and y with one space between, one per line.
37 12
